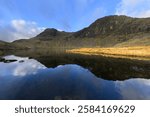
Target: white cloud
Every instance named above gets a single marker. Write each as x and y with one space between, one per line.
19 29
134 8
18 24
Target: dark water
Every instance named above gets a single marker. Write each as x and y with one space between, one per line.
73 77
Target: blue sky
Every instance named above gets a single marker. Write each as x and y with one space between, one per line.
27 18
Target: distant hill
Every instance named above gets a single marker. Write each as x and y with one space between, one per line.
52 33
108 31
2 45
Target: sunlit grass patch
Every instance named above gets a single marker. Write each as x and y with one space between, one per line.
123 52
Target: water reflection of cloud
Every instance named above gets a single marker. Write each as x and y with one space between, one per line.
71 81
134 88
12 57
27 67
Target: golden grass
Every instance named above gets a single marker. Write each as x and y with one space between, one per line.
123 52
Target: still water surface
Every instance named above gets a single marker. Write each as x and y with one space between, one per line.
28 78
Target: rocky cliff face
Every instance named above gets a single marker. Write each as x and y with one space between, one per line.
115 25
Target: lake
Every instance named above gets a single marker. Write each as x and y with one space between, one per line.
49 76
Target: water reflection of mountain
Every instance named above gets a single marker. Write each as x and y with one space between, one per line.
35 81
105 67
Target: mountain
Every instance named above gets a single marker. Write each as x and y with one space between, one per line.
118 31
3 44
52 33
108 31
115 25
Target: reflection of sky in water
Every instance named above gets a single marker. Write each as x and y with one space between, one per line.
63 82
134 88
22 67
12 57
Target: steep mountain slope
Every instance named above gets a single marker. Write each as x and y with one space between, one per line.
116 25
113 30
